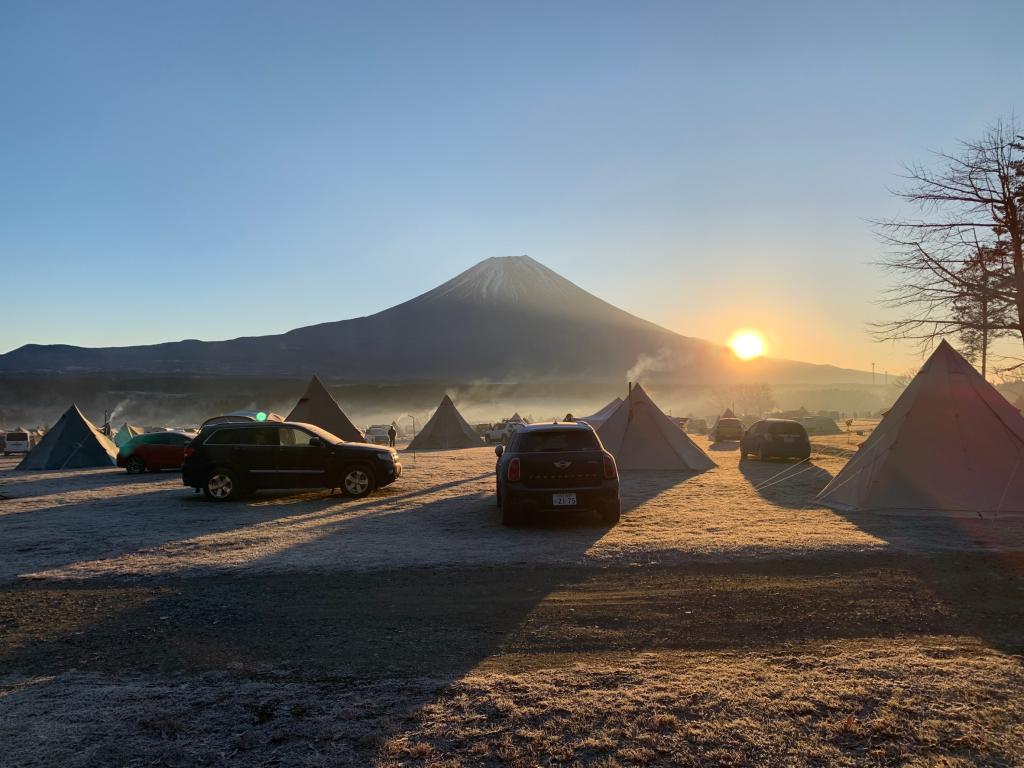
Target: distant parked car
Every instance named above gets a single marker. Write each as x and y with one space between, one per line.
153 451
551 469
17 441
776 438
377 434
226 461
727 429
696 426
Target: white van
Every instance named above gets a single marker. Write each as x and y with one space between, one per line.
18 441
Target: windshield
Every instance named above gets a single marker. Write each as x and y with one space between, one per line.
323 434
18 437
549 442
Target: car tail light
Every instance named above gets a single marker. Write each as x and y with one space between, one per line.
609 467
189 450
515 471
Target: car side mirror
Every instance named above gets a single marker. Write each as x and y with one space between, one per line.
498 450
316 441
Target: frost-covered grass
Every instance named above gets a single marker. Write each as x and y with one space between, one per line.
104 523
945 702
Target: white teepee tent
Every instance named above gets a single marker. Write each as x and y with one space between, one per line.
951 443
445 430
318 407
640 436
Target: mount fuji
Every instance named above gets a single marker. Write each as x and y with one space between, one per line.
505 319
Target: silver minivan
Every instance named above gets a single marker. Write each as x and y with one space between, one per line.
18 441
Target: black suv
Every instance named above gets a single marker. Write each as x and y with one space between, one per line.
555 468
776 438
227 460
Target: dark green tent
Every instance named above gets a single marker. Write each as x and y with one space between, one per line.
72 443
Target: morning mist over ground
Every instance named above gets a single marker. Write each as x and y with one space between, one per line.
470 384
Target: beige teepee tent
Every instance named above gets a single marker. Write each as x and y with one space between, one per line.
951 443
446 429
318 407
640 436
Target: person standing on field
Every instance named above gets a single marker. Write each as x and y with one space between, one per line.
392 434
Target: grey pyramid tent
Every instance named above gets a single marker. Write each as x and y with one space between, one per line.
72 443
640 436
597 419
445 430
951 443
727 414
318 407
126 433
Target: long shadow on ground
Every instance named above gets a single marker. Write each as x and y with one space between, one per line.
786 483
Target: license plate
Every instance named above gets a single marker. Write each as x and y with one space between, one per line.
787 438
564 499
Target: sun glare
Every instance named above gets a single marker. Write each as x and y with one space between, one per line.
747 344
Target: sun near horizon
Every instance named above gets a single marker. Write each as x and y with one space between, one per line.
748 344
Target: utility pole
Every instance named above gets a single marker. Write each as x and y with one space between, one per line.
872 374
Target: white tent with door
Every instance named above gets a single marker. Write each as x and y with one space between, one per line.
640 436
950 443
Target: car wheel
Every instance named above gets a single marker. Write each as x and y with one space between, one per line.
221 485
510 515
135 465
357 481
612 515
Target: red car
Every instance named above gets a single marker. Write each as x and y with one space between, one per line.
153 451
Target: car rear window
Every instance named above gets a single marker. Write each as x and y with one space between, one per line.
549 441
17 436
785 428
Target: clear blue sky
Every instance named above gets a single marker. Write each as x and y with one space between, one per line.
704 165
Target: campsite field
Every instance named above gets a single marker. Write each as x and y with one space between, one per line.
726 620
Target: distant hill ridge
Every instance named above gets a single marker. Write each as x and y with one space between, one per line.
507 318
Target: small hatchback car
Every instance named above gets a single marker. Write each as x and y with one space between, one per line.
726 429
556 468
153 451
228 460
776 438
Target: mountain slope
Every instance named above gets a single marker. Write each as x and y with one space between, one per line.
507 318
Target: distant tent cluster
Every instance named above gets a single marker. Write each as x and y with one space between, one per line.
950 443
445 430
640 436
73 443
